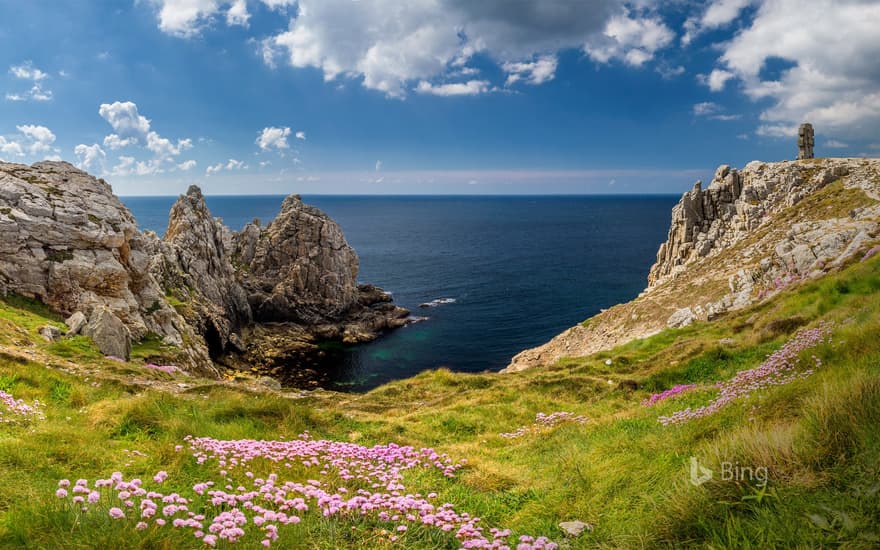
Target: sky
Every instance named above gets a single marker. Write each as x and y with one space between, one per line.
432 96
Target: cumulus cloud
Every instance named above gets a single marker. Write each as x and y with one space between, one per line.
134 129
717 14
832 79
232 164
716 80
32 141
187 165
27 71
301 135
535 72
91 157
390 45
471 87
238 14
274 138
633 40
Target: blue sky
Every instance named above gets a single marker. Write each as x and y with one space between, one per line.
432 96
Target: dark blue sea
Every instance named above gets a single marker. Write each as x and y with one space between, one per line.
520 269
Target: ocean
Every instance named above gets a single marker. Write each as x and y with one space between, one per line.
511 271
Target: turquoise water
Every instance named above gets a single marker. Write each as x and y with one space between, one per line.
520 269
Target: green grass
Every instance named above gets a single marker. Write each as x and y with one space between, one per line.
622 471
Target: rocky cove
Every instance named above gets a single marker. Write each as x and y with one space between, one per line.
261 299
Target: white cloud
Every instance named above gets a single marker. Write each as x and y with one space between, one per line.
836 144
91 157
717 14
716 80
40 137
278 4
187 165
389 45
273 138
471 87
26 71
632 40
10 149
301 135
238 14
124 118
32 141
833 78
535 72
134 129
232 164
378 165
113 142
713 111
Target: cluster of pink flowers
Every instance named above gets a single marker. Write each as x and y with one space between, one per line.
353 481
543 420
169 369
780 368
17 410
671 392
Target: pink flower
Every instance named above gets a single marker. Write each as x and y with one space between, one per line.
116 513
61 493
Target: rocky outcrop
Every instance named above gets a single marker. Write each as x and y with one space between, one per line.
300 268
193 266
68 241
747 236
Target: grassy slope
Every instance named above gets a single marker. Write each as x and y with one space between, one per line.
622 471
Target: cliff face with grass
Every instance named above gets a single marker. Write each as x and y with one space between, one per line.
67 241
749 234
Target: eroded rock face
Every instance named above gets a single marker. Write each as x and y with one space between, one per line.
299 269
749 235
66 240
193 266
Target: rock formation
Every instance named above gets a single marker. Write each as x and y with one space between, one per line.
193 266
748 235
299 268
67 241
806 141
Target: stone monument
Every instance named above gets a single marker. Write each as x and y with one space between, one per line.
805 141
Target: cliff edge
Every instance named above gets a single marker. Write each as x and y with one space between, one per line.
749 234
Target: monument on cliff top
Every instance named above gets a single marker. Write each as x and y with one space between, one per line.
805 141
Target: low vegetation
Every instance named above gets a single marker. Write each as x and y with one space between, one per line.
795 461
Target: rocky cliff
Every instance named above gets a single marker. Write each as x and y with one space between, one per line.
67 241
746 236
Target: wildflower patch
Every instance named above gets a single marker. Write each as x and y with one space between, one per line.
14 410
353 483
782 367
545 421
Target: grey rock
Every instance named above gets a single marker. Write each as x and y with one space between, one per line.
75 323
50 333
575 528
109 333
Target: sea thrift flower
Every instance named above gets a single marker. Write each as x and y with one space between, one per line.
116 513
780 368
545 421
671 392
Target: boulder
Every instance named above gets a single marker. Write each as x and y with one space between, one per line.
75 323
109 333
575 528
50 333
